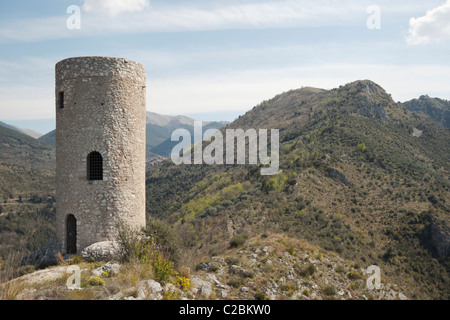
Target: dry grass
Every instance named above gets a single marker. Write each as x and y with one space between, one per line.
132 273
11 290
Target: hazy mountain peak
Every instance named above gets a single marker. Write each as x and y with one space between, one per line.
28 132
167 121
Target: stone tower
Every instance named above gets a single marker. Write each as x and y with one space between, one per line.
100 149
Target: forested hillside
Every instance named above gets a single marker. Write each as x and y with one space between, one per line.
27 193
353 179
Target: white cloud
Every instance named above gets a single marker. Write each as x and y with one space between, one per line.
104 16
101 17
434 26
246 15
115 7
251 14
139 16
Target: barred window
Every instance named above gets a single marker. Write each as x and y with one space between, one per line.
94 166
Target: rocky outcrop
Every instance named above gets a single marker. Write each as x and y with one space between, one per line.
45 256
372 100
339 176
440 237
435 109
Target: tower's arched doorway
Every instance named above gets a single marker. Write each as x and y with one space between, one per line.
71 228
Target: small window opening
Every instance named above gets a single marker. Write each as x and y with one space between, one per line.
61 99
94 166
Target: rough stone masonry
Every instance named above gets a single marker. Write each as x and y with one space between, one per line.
100 149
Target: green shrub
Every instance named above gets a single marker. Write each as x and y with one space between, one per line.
96 281
361 147
329 290
260 296
162 268
340 269
76 260
213 268
232 260
238 240
105 274
355 275
235 282
171 295
128 241
308 271
182 282
246 274
164 238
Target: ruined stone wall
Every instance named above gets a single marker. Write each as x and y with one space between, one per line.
104 111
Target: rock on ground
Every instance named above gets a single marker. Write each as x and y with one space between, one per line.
149 290
110 268
43 276
201 287
101 251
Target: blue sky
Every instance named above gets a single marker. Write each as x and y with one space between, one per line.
216 59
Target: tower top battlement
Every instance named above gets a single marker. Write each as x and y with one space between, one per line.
96 66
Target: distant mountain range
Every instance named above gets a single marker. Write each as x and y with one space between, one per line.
158 131
160 127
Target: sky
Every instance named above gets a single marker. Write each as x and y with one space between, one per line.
217 59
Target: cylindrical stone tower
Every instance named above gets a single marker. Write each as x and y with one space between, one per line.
100 149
